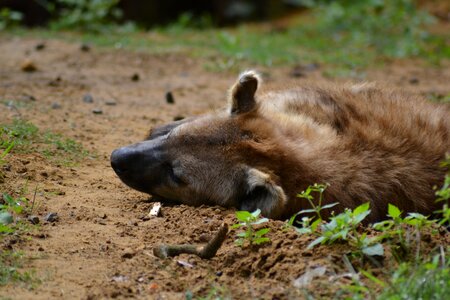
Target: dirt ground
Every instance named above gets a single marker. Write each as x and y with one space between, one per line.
101 247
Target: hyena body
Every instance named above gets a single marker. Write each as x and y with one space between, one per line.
366 143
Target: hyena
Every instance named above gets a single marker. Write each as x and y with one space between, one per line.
368 144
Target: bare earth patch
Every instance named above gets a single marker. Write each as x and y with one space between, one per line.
101 246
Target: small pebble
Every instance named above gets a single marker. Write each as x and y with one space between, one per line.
51 217
55 82
26 97
40 46
85 47
135 77
55 105
219 273
97 111
87 98
110 102
28 66
128 253
414 80
33 219
169 98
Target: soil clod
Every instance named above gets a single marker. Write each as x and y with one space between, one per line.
40 46
169 98
28 66
135 77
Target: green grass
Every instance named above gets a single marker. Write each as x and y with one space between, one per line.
27 138
11 263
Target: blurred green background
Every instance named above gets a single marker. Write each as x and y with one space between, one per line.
349 35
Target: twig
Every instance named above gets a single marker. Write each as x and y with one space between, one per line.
203 251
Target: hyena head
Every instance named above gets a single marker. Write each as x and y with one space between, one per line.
222 158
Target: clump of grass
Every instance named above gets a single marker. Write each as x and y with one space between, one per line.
27 138
10 264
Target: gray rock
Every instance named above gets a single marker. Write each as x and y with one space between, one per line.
55 105
87 98
51 217
97 111
111 102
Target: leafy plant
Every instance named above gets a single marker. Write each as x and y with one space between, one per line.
10 264
88 15
344 227
309 224
9 18
247 221
425 280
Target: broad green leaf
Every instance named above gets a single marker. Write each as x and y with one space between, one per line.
241 234
361 216
261 240
262 232
6 218
393 211
243 215
315 224
316 242
374 250
234 226
362 208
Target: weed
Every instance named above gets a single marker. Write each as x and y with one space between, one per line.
10 263
425 280
247 221
93 16
9 18
26 138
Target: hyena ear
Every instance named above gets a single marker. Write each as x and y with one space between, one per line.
263 193
242 95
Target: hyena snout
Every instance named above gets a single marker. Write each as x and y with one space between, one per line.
138 165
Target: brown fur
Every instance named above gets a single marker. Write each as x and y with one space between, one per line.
367 143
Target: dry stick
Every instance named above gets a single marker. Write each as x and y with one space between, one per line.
203 251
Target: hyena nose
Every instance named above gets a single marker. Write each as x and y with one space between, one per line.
122 159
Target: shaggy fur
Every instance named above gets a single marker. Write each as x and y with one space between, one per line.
367 143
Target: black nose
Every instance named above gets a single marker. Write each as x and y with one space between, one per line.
122 159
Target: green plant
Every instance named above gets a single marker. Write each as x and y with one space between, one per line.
10 207
10 264
9 18
247 221
88 15
443 195
425 280
344 226
394 28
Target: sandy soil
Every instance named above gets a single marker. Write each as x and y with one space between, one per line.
101 247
